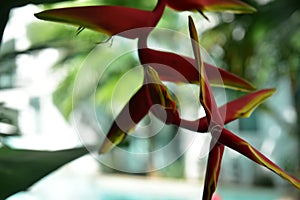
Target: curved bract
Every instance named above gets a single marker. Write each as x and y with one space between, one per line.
232 110
181 69
110 20
234 6
245 105
238 144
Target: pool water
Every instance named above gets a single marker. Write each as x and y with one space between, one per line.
249 193
137 197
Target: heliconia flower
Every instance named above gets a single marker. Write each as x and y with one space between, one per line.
179 69
235 6
167 66
110 20
157 93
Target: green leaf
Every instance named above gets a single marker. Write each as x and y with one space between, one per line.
19 169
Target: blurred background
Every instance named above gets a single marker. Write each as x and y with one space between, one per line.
42 62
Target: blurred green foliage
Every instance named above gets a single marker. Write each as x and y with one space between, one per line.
261 47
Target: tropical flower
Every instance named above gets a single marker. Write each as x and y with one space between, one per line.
165 66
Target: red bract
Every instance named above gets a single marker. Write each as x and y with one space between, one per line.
235 6
181 69
245 105
213 170
206 96
232 110
110 20
234 142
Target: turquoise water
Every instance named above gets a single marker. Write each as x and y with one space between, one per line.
238 193
137 197
230 193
